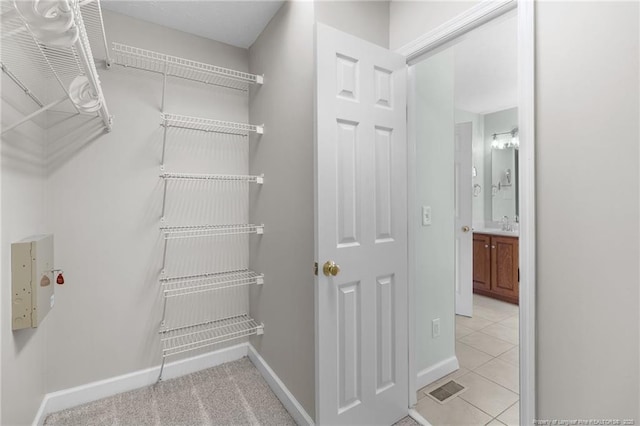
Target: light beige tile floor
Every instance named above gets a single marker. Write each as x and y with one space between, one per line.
487 350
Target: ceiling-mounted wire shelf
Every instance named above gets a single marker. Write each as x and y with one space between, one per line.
53 62
223 178
185 339
149 60
209 125
191 284
93 22
199 231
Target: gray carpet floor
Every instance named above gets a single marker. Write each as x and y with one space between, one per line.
229 394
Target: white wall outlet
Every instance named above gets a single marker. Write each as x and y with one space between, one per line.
426 215
435 327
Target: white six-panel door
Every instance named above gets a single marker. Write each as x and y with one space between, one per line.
361 225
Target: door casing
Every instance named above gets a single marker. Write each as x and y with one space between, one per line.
416 50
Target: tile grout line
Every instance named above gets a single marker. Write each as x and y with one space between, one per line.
474 370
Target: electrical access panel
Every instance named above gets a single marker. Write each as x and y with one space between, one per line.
32 281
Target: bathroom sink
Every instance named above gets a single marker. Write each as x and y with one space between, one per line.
496 231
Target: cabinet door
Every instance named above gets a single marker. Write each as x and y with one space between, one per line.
481 262
504 267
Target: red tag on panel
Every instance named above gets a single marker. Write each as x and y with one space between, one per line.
60 279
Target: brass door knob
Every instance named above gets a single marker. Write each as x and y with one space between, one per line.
466 229
330 268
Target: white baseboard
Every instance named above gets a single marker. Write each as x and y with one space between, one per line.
413 413
437 371
67 398
292 405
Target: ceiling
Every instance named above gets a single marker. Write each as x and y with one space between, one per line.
486 68
485 61
237 23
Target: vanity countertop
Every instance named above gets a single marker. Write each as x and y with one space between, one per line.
496 231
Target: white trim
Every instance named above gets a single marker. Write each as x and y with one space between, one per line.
292 405
436 372
526 132
67 398
461 24
413 413
411 229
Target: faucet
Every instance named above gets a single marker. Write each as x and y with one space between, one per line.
506 224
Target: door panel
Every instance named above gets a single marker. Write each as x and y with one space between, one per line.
347 183
349 347
481 262
361 224
385 333
383 183
504 272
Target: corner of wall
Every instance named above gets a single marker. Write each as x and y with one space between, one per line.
284 53
22 213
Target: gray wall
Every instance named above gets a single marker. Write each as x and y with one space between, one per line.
368 20
100 195
587 198
284 52
105 198
434 245
411 19
23 214
587 149
285 253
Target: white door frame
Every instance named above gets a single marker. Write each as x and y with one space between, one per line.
476 16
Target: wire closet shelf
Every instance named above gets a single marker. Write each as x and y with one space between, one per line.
200 231
198 336
209 125
52 68
214 177
191 284
148 60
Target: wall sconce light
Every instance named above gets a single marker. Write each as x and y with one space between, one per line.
503 141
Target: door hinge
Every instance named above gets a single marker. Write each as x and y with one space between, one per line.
518 274
315 268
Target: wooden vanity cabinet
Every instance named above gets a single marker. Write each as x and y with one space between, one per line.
495 267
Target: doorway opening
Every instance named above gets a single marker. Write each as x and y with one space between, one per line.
465 214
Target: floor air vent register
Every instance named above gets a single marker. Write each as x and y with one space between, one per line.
447 391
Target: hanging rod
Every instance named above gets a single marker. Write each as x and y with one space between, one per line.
198 231
209 125
225 178
33 114
190 284
148 60
21 85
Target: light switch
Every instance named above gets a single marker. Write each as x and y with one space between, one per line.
426 215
